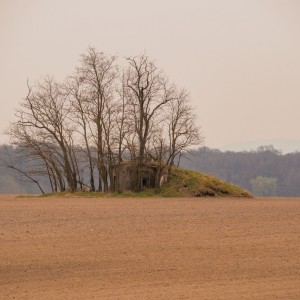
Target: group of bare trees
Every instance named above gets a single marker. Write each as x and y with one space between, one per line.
79 130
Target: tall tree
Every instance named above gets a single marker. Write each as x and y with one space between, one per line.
182 128
148 91
98 74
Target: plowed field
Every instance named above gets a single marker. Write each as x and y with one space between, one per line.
75 248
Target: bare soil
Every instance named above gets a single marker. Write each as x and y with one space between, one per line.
72 248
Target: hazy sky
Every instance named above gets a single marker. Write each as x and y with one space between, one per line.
239 59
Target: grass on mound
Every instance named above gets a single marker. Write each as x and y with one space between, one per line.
187 183
182 183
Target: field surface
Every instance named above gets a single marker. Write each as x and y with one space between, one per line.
188 248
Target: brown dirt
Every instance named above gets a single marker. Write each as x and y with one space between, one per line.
72 248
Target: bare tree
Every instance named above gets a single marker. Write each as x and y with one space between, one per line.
182 128
148 92
99 73
79 99
46 111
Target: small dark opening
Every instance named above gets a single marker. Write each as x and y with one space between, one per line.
144 182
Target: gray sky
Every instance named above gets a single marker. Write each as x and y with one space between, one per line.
239 59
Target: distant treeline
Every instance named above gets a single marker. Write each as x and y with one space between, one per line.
13 182
265 171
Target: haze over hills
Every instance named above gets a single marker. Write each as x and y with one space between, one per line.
284 145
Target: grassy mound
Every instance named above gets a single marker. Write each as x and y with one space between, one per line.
186 183
182 183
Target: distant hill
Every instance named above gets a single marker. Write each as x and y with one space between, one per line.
283 145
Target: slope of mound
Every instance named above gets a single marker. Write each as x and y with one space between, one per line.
186 183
